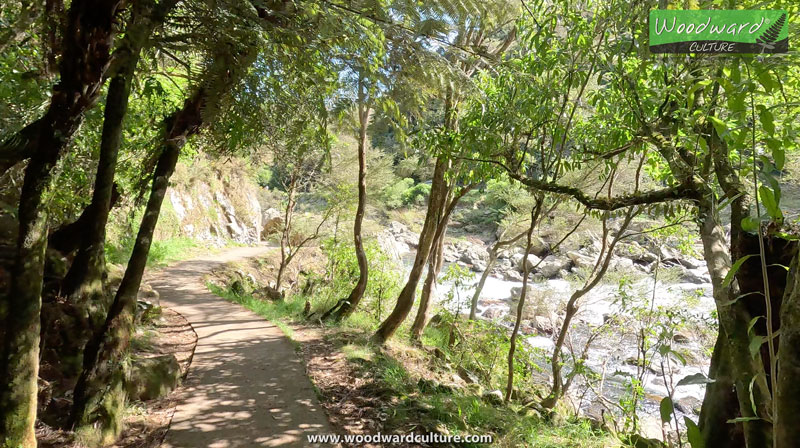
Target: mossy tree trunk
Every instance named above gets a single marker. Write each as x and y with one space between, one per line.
744 370
85 56
720 403
99 393
787 389
435 260
84 281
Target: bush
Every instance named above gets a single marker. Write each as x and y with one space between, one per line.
416 194
404 193
393 194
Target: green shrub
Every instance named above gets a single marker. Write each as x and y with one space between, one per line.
393 194
417 194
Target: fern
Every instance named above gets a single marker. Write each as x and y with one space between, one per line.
771 34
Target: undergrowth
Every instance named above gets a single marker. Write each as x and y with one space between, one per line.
409 379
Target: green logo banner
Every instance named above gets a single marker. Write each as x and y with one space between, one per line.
707 31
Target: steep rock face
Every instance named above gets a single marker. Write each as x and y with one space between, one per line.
216 208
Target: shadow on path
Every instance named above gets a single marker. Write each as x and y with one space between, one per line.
246 386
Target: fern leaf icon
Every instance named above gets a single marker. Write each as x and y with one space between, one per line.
771 34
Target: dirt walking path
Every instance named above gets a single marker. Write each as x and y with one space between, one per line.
247 387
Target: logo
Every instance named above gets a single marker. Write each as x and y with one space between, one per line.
715 31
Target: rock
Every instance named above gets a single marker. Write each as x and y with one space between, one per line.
273 222
512 276
622 264
517 259
634 251
669 255
402 234
681 337
492 313
472 254
269 293
539 247
543 324
152 378
637 441
467 376
493 396
688 405
239 288
389 245
581 260
552 265
147 293
697 276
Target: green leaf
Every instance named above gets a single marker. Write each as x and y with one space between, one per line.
755 345
719 126
752 323
740 420
765 79
697 378
778 154
693 434
750 224
767 121
666 409
770 202
730 276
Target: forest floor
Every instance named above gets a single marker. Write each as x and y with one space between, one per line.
247 386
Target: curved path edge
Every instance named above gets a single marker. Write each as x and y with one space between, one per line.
246 385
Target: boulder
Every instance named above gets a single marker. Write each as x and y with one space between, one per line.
636 252
681 337
493 396
552 265
512 276
688 405
402 234
151 378
697 276
581 260
273 222
539 247
517 259
467 376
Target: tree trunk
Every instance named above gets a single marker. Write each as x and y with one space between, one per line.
428 287
358 291
99 393
84 281
745 370
85 58
436 260
405 300
286 234
601 267
720 403
521 305
787 390
473 308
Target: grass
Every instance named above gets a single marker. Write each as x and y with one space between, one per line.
162 252
274 312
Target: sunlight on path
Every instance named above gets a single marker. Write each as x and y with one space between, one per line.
246 385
